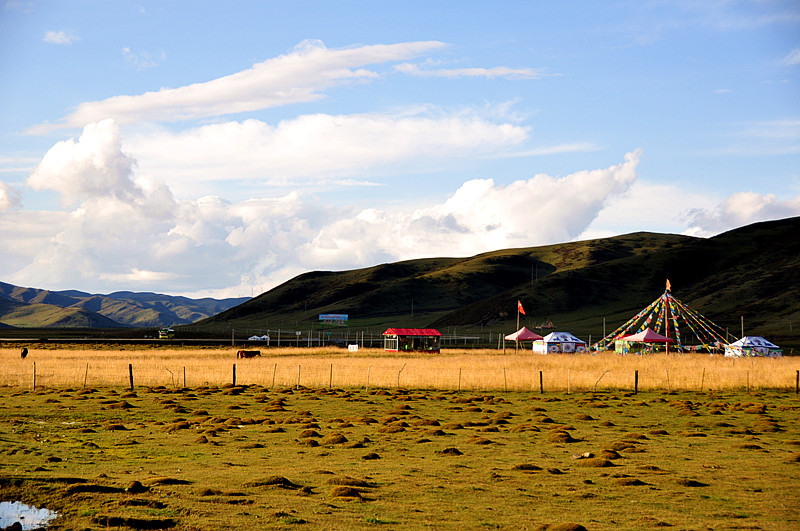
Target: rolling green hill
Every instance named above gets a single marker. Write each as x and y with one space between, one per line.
751 273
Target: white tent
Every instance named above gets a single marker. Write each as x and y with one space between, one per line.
555 342
265 337
753 346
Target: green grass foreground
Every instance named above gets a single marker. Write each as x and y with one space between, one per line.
248 457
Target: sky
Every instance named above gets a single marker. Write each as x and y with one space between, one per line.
211 148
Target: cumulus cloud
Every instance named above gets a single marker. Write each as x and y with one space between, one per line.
479 216
91 167
738 210
60 37
298 76
128 232
488 73
319 145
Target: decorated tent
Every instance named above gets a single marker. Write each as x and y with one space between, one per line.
663 315
523 334
638 342
753 346
556 342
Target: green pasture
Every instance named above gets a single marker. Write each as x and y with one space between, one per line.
254 458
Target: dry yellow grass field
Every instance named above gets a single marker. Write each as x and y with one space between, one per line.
452 369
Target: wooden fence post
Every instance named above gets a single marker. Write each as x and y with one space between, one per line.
234 375
636 383
130 374
797 383
34 376
541 384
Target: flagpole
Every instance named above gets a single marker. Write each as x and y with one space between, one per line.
516 341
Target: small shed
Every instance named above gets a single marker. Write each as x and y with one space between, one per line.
411 339
556 342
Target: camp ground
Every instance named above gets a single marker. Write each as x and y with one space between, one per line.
752 346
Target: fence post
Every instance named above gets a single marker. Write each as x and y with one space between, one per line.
330 378
130 374
274 369
703 379
541 384
34 376
234 375
505 380
184 376
797 383
86 376
636 383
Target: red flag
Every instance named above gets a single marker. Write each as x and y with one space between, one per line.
519 308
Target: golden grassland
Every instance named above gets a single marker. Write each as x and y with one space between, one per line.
247 457
453 369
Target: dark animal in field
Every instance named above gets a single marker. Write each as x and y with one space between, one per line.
248 354
23 353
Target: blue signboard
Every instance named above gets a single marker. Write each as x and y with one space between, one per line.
333 317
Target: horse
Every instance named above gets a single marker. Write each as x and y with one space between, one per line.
248 354
23 353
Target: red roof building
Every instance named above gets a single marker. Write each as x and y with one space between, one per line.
411 339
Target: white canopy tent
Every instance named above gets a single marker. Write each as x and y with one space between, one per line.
753 346
556 342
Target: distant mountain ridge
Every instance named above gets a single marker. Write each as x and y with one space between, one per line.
31 307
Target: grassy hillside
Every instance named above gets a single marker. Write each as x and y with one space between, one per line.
751 273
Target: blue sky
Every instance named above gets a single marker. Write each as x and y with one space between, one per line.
221 148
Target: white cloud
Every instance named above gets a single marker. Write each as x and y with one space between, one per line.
60 37
793 58
488 73
92 166
478 217
298 76
141 60
318 146
738 210
658 207
127 231
9 198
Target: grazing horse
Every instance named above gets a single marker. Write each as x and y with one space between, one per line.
248 354
23 353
